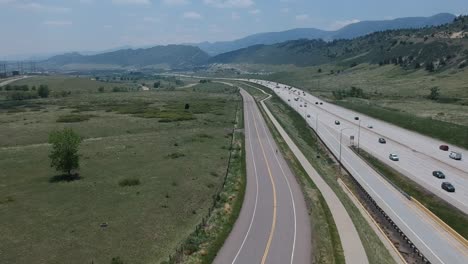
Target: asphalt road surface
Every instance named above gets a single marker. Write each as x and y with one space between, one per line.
418 155
433 241
273 225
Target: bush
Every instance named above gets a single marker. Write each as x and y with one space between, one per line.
101 89
73 118
129 182
176 155
20 95
43 91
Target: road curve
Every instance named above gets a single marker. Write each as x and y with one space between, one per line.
273 225
430 238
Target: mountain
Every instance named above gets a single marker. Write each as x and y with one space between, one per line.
366 27
172 56
348 32
442 46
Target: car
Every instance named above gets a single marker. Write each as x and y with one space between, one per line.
455 155
321 103
370 126
448 187
316 103
289 100
305 105
308 116
438 174
394 157
382 141
337 122
300 105
444 147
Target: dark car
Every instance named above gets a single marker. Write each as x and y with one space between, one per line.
448 187
321 103
438 174
337 122
444 147
382 141
316 103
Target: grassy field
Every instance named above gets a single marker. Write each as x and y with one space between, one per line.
328 249
128 136
448 213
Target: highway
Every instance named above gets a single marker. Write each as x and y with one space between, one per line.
273 225
419 155
429 237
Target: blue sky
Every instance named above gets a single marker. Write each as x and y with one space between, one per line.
47 26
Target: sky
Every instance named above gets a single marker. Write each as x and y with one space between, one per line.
30 27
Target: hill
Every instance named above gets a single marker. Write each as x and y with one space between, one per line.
348 32
432 47
172 56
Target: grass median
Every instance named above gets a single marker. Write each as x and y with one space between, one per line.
304 138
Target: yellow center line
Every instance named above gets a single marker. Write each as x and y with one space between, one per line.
273 224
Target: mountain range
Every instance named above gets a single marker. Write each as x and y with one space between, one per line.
348 32
302 46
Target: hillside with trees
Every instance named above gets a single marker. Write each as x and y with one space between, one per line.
433 48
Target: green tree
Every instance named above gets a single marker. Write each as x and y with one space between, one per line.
430 67
101 89
43 91
64 154
157 84
435 94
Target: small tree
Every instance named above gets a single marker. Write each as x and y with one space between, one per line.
101 89
156 84
43 91
430 67
187 106
319 70
435 94
64 154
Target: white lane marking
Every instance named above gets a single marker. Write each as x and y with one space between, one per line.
256 193
387 205
289 187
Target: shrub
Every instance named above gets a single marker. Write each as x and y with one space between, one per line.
73 118
175 155
129 182
43 91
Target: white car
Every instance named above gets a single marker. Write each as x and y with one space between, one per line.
394 157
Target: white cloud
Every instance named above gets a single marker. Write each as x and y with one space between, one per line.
255 11
285 10
302 17
235 16
151 19
192 15
175 2
57 23
230 3
136 2
341 23
40 7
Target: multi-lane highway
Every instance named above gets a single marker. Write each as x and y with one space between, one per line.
273 225
433 241
418 155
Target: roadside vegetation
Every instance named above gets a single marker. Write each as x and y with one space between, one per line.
445 211
326 241
126 204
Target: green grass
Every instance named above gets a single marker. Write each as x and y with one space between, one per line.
60 222
304 138
129 182
449 132
72 118
448 213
